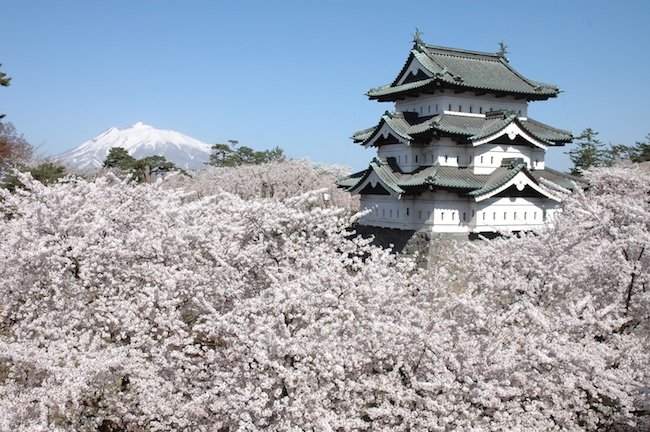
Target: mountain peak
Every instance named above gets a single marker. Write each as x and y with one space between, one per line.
139 140
140 125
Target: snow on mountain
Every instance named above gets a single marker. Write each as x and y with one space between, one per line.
139 140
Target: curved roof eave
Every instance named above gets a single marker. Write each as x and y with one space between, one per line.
512 129
521 179
388 184
386 121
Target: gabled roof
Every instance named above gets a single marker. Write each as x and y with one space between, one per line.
461 69
513 172
462 180
473 128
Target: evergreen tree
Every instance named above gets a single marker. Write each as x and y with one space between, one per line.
589 152
156 166
45 172
4 82
230 155
119 158
642 150
141 170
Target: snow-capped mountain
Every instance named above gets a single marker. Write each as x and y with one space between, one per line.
139 140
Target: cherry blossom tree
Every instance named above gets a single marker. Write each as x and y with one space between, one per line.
130 307
562 315
273 180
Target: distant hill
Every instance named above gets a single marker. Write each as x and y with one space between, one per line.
139 140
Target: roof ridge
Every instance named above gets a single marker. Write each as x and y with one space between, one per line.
495 56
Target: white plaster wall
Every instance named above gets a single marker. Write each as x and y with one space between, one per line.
438 211
408 157
488 157
513 214
443 211
537 159
468 102
446 152
386 211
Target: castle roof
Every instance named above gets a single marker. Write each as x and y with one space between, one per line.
460 179
395 127
441 67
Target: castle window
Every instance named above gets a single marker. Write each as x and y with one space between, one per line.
519 112
449 107
446 157
429 109
420 214
505 215
391 213
483 215
494 215
436 107
470 109
515 216
473 213
453 215
525 215
407 211
416 158
535 215
460 108
481 159
492 160
442 216
464 216
383 212
420 110
480 110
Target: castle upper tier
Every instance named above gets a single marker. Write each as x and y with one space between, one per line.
459 153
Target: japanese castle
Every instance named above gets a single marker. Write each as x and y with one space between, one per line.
459 154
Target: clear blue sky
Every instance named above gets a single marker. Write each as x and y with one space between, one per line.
293 73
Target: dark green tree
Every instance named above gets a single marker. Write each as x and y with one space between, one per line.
617 152
641 150
142 170
4 82
231 155
119 158
151 167
589 152
45 172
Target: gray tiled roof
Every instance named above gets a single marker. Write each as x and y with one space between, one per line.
460 179
472 128
456 68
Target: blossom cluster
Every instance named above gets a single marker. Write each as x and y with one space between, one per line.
133 307
272 180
